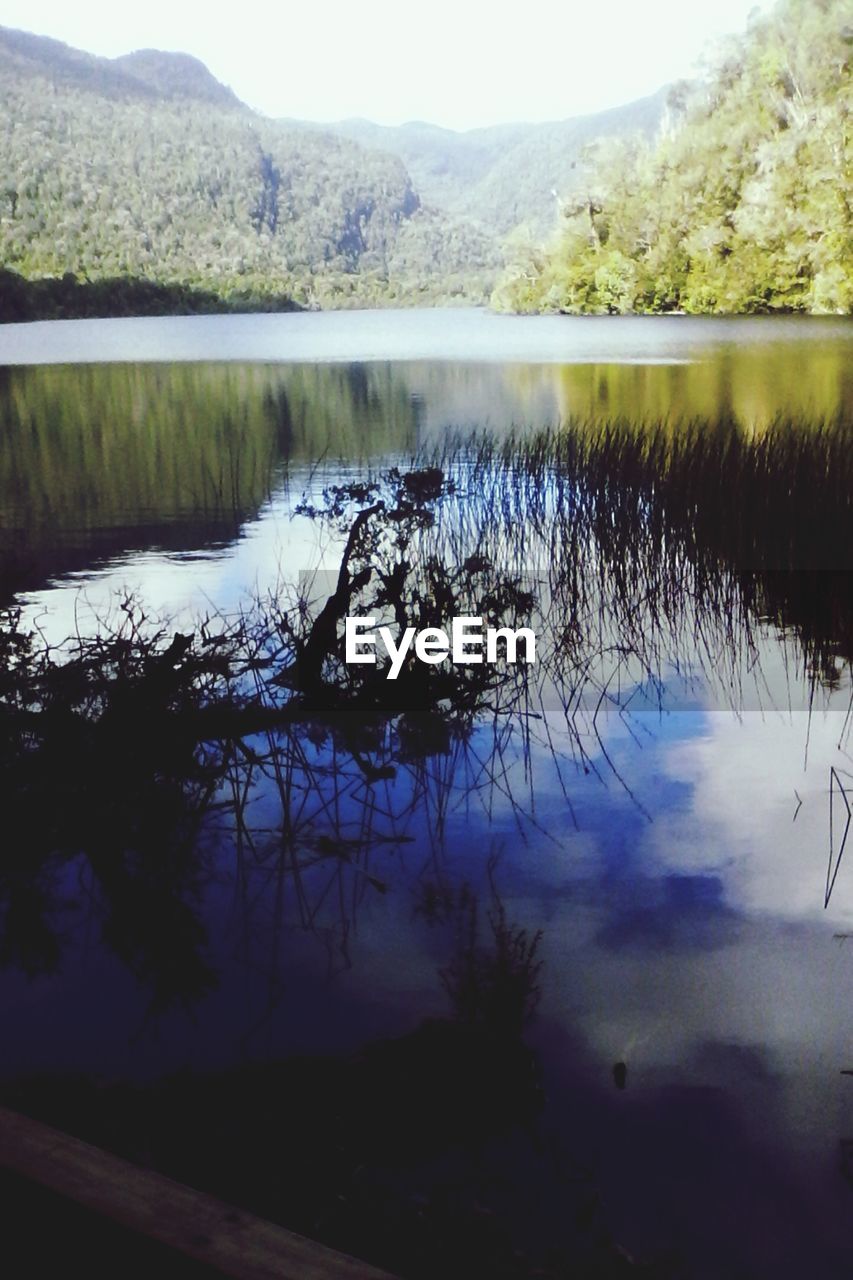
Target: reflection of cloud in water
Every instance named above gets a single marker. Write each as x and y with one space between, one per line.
183 587
703 926
746 777
671 912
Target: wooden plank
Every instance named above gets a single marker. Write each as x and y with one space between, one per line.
235 1243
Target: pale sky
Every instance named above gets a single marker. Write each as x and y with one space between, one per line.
458 63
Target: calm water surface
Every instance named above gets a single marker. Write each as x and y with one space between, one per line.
679 876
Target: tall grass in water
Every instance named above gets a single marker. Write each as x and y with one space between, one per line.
655 525
633 554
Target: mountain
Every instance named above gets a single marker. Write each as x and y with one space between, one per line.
176 75
145 168
506 174
148 74
145 182
38 58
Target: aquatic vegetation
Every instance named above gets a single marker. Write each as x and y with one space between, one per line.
163 768
492 984
638 558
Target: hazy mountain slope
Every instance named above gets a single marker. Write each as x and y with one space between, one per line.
449 165
520 186
504 175
24 56
147 168
177 75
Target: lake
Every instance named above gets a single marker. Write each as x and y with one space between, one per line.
665 798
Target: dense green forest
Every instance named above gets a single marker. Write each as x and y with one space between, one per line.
142 185
145 168
744 205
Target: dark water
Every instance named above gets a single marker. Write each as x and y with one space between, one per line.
669 834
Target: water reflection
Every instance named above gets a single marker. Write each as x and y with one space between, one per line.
97 461
656 790
252 745
752 386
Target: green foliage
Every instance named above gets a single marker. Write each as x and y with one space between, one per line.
49 298
146 169
743 205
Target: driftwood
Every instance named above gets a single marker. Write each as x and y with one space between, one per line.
235 1243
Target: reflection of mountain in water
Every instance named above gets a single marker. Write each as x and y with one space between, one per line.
97 460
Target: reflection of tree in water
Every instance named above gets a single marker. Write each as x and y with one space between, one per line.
493 984
148 755
96 459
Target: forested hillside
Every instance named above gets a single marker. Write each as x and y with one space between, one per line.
142 183
745 206
507 174
145 168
